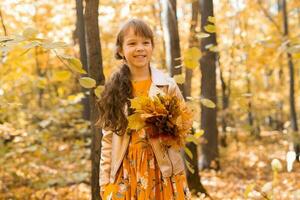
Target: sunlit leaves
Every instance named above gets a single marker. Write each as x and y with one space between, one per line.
41 83
76 65
54 45
212 47
208 103
31 44
87 82
191 57
191 138
211 19
135 121
62 75
296 56
276 165
30 33
198 133
188 152
189 166
248 189
98 90
210 28
202 35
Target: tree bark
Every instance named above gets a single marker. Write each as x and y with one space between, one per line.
96 72
210 152
171 36
293 115
194 179
80 33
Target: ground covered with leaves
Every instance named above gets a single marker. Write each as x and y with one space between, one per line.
44 163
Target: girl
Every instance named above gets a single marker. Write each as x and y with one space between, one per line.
133 166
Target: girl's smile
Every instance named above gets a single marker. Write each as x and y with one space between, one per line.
137 50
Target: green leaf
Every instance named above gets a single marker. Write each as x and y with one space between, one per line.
208 103
76 65
87 82
99 89
188 152
210 28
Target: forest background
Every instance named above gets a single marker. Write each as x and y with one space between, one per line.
237 63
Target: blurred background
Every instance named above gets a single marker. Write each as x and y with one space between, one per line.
237 63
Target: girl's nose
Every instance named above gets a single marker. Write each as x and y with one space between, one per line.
140 47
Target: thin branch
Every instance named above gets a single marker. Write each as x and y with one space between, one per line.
2 22
267 14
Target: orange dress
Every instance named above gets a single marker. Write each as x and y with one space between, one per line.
139 176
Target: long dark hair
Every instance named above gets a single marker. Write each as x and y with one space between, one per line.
118 90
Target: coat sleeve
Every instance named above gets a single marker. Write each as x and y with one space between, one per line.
105 158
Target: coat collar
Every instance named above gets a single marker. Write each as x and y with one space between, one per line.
158 77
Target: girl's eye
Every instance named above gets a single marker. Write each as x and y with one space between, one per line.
131 43
147 42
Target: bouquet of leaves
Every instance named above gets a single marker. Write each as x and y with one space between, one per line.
164 117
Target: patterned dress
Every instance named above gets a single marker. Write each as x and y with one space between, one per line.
139 176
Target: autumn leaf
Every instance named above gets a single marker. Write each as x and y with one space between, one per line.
199 133
202 35
191 138
30 33
87 82
135 121
76 65
211 19
191 57
54 45
208 103
188 152
139 102
99 89
210 28
189 166
62 75
296 56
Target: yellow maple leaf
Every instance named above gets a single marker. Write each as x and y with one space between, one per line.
135 121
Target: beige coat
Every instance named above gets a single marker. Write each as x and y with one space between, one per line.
113 146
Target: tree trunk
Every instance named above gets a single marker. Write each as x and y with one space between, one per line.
80 33
194 180
293 115
96 72
171 37
210 152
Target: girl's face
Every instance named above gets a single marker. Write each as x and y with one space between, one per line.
136 49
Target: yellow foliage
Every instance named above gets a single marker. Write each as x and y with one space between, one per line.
87 82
